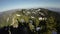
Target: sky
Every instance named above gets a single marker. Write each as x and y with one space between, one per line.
18 4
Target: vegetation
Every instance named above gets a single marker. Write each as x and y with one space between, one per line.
46 26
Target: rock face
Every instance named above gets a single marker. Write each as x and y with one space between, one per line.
31 21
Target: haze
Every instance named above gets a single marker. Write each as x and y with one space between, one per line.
16 4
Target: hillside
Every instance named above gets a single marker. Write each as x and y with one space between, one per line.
49 19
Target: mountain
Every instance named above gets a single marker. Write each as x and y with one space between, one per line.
54 9
35 12
46 19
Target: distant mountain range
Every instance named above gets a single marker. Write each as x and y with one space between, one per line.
54 9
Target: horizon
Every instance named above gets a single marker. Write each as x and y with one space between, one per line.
22 4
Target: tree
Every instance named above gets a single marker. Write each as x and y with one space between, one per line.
51 24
